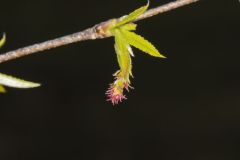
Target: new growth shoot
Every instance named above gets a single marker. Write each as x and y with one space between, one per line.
125 37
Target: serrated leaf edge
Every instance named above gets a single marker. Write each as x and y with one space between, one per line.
141 43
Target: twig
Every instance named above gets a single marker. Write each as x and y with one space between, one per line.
88 34
165 8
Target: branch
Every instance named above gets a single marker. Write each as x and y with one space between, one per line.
95 32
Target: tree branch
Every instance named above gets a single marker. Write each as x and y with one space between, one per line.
88 34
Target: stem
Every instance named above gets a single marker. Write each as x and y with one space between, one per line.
165 8
88 34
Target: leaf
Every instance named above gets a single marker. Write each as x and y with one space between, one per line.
3 40
132 16
2 89
123 55
140 43
129 27
10 81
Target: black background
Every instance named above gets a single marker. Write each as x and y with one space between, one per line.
185 107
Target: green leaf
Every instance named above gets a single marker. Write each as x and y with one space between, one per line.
2 89
140 43
10 81
123 56
129 27
132 16
3 40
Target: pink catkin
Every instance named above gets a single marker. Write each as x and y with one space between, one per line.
115 92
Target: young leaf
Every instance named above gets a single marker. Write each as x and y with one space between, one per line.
140 43
129 27
132 16
10 81
124 59
3 39
2 89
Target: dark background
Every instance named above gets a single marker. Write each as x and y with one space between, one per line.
185 107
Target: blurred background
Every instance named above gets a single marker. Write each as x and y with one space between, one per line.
185 107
